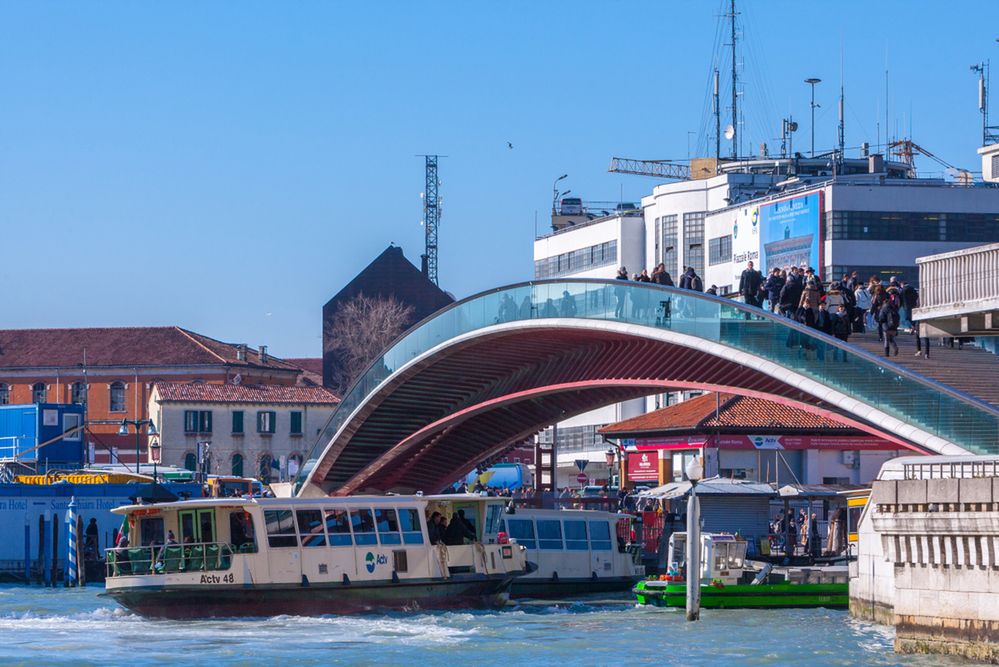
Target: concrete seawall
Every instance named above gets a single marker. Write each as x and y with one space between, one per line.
928 563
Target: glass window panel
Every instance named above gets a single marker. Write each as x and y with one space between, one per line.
310 526
550 534
363 524
388 526
338 527
522 530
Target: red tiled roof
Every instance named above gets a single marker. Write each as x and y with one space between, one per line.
121 346
734 413
312 370
243 393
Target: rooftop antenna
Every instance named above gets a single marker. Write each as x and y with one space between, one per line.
735 96
431 216
717 111
989 135
842 114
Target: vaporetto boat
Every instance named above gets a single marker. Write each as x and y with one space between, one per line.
576 552
268 556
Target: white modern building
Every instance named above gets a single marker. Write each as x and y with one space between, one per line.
262 431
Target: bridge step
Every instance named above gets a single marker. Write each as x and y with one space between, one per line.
971 370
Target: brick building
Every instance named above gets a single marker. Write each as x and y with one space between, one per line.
111 371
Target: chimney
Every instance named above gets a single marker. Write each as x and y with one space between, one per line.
875 163
241 352
263 354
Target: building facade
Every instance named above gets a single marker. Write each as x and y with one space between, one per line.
111 372
262 431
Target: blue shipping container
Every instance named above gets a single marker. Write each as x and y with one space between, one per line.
50 434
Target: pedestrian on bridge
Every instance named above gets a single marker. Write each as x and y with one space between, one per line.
750 285
888 323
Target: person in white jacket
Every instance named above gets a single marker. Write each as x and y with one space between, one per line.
863 298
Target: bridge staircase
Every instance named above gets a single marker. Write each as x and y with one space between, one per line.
970 369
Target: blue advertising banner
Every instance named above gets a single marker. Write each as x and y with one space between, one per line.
790 233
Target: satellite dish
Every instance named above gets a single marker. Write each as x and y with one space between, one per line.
238 380
792 126
729 131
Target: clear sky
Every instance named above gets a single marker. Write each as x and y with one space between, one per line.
228 166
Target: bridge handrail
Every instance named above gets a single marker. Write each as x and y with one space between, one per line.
688 311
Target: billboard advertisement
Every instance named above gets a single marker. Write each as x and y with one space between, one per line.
643 467
779 234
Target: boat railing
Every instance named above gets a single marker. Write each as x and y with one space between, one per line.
170 558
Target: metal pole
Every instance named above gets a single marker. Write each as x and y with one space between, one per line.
813 121
136 424
693 556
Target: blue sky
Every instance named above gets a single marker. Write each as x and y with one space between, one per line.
227 167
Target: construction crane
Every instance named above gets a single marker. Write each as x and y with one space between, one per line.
658 168
431 216
907 149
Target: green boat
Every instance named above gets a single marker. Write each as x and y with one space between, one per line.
726 583
744 596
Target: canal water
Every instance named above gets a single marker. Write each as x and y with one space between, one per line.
41 626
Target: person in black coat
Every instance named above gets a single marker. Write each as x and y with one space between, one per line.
749 286
772 287
790 293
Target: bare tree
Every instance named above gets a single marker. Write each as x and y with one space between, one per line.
361 328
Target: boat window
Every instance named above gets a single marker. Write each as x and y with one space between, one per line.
600 537
494 514
280 528
206 526
522 530
151 531
310 528
187 531
388 526
575 536
364 526
412 531
241 532
338 527
550 534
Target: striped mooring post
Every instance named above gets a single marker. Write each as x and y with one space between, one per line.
72 574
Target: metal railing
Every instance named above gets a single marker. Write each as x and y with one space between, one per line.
170 558
951 469
959 279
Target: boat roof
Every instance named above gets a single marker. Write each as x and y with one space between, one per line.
381 501
524 512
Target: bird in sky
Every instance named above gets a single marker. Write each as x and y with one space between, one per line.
509 145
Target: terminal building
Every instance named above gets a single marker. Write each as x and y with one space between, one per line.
838 215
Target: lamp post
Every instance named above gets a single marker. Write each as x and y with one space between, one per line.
695 471
154 452
812 81
555 192
611 457
138 424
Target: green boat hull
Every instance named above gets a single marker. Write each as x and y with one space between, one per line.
746 596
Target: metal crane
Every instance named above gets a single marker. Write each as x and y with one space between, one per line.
906 150
658 168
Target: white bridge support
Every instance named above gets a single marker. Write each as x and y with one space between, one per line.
928 559
959 292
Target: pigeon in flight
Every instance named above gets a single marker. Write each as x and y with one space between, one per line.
509 145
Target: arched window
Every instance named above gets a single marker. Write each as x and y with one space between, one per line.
4 394
237 465
78 393
117 402
264 468
39 394
190 461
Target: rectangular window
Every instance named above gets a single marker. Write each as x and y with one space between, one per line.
364 527
280 528
400 561
197 421
550 534
266 421
409 521
205 421
720 250
296 423
575 536
151 532
70 422
600 537
669 245
522 530
310 528
575 261
237 421
190 421
338 527
693 241
388 526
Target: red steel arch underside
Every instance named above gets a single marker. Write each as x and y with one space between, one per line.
474 399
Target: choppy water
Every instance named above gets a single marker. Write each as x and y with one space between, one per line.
58 626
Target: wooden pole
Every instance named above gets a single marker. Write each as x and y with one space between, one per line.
82 563
55 550
41 548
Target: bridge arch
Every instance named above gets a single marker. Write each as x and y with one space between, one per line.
493 369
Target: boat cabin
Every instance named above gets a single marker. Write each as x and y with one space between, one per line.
723 557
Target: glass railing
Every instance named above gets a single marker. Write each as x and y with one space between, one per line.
871 380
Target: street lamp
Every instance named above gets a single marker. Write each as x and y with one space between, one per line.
154 451
137 423
695 472
812 81
555 191
610 455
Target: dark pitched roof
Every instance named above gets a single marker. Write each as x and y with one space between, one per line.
122 346
244 393
735 413
312 369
